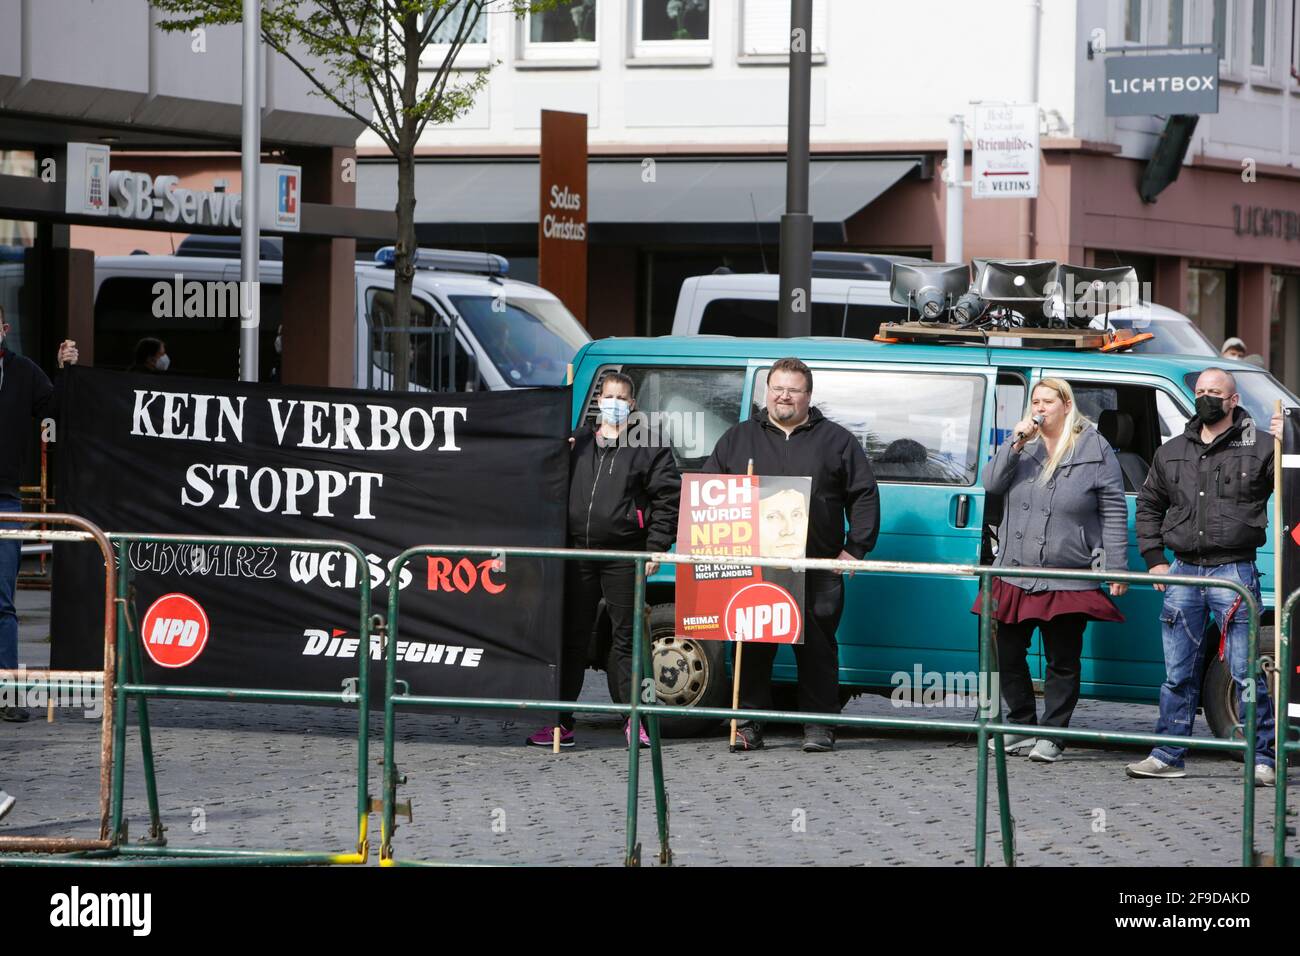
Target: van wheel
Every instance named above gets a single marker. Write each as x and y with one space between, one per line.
687 673
1218 695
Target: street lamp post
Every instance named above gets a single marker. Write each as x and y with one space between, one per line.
797 224
250 160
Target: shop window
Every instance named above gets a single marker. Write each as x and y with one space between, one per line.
1284 330
451 21
765 30
567 32
1210 302
671 29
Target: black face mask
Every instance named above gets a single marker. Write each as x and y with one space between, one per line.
1209 409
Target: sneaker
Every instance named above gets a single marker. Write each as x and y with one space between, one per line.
14 715
818 739
645 737
1045 751
1265 776
1012 743
6 804
546 738
1154 767
749 736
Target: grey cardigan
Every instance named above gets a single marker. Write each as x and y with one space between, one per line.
1077 519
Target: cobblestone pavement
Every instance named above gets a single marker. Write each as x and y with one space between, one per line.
283 776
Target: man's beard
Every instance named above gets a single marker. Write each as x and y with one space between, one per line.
784 412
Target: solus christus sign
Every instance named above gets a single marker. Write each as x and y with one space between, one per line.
1162 85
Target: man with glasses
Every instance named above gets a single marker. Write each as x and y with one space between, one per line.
1206 500
789 438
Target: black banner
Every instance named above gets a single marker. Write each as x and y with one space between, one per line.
384 471
1287 538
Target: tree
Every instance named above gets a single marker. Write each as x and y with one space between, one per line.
354 50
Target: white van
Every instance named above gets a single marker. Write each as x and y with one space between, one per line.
508 334
850 299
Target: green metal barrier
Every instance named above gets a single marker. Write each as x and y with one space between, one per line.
988 720
128 673
1285 733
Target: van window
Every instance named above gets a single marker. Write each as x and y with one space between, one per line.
1128 417
687 408
531 341
757 318
202 334
916 427
427 353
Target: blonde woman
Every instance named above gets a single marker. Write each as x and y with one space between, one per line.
1063 496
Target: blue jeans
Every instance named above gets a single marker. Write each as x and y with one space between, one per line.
11 552
1183 621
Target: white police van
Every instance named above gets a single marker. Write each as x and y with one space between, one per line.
508 334
850 299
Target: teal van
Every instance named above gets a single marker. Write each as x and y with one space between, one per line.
960 403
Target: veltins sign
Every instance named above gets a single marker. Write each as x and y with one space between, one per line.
1162 85
1004 152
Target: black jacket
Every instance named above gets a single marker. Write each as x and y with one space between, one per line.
1207 503
842 480
622 498
26 395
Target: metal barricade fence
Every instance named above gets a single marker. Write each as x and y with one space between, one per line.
103 681
1285 733
123 679
988 721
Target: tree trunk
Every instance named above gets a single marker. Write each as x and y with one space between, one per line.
404 267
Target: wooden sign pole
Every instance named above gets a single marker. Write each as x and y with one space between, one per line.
1279 594
735 675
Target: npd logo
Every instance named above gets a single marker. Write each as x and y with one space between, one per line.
763 612
174 630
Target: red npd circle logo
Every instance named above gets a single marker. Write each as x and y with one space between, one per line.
764 613
174 630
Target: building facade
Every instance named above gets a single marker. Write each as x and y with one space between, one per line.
78 71
696 90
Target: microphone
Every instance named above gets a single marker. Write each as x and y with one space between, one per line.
1020 436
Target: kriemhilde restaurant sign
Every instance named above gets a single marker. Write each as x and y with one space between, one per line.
1162 85
93 189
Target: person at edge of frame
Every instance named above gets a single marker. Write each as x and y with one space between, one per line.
623 496
1206 500
26 396
788 437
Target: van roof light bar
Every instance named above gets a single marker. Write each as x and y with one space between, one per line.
449 260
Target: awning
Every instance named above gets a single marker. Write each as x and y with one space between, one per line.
719 201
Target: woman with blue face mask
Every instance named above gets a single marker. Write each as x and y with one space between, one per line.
623 493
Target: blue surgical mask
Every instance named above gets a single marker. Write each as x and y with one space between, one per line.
615 410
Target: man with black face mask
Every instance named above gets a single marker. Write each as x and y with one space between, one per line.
1206 500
